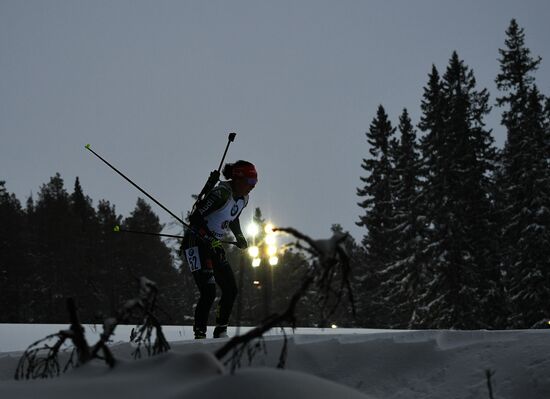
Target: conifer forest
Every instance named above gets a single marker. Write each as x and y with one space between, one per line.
456 230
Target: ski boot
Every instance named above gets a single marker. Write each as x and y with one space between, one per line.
220 331
199 334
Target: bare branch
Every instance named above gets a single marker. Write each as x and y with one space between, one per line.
43 362
329 260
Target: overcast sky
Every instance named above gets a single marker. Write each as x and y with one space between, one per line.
156 86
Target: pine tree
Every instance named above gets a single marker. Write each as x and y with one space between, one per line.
457 154
530 255
149 256
378 215
515 80
84 238
52 266
523 180
402 278
81 207
109 259
13 259
377 204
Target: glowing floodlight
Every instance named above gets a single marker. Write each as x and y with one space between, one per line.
252 229
253 252
271 250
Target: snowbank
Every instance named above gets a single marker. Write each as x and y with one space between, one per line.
373 364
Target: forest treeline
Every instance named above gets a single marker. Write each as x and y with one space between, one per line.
457 231
59 246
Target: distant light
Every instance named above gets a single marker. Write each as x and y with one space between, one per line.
271 250
253 251
256 262
334 326
256 282
252 229
273 261
270 239
268 229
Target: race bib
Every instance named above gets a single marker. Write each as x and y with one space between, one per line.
193 259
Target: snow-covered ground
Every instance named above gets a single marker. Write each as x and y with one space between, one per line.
334 363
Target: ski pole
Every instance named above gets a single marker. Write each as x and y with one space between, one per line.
88 147
118 229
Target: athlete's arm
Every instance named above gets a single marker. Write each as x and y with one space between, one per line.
235 227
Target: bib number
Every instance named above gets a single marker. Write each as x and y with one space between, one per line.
193 259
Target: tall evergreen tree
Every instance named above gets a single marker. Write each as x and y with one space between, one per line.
515 80
457 153
523 179
81 207
529 269
51 251
109 259
377 204
84 230
149 256
378 214
13 267
402 278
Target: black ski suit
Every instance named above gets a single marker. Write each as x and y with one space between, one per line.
209 266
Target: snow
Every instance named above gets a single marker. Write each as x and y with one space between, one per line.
332 363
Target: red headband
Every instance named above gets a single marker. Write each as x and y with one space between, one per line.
244 171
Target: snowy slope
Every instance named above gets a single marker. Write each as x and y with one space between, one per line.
367 364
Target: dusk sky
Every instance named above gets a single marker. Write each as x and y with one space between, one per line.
156 86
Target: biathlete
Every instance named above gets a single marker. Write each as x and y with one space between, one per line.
210 220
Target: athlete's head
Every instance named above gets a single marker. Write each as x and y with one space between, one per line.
243 176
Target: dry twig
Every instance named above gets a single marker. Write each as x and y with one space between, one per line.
41 360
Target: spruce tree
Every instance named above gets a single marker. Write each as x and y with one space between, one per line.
457 155
401 280
377 204
13 258
523 179
515 81
81 207
150 256
51 241
83 250
529 270
377 216
109 259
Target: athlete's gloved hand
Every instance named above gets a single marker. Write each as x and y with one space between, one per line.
217 247
241 242
215 243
